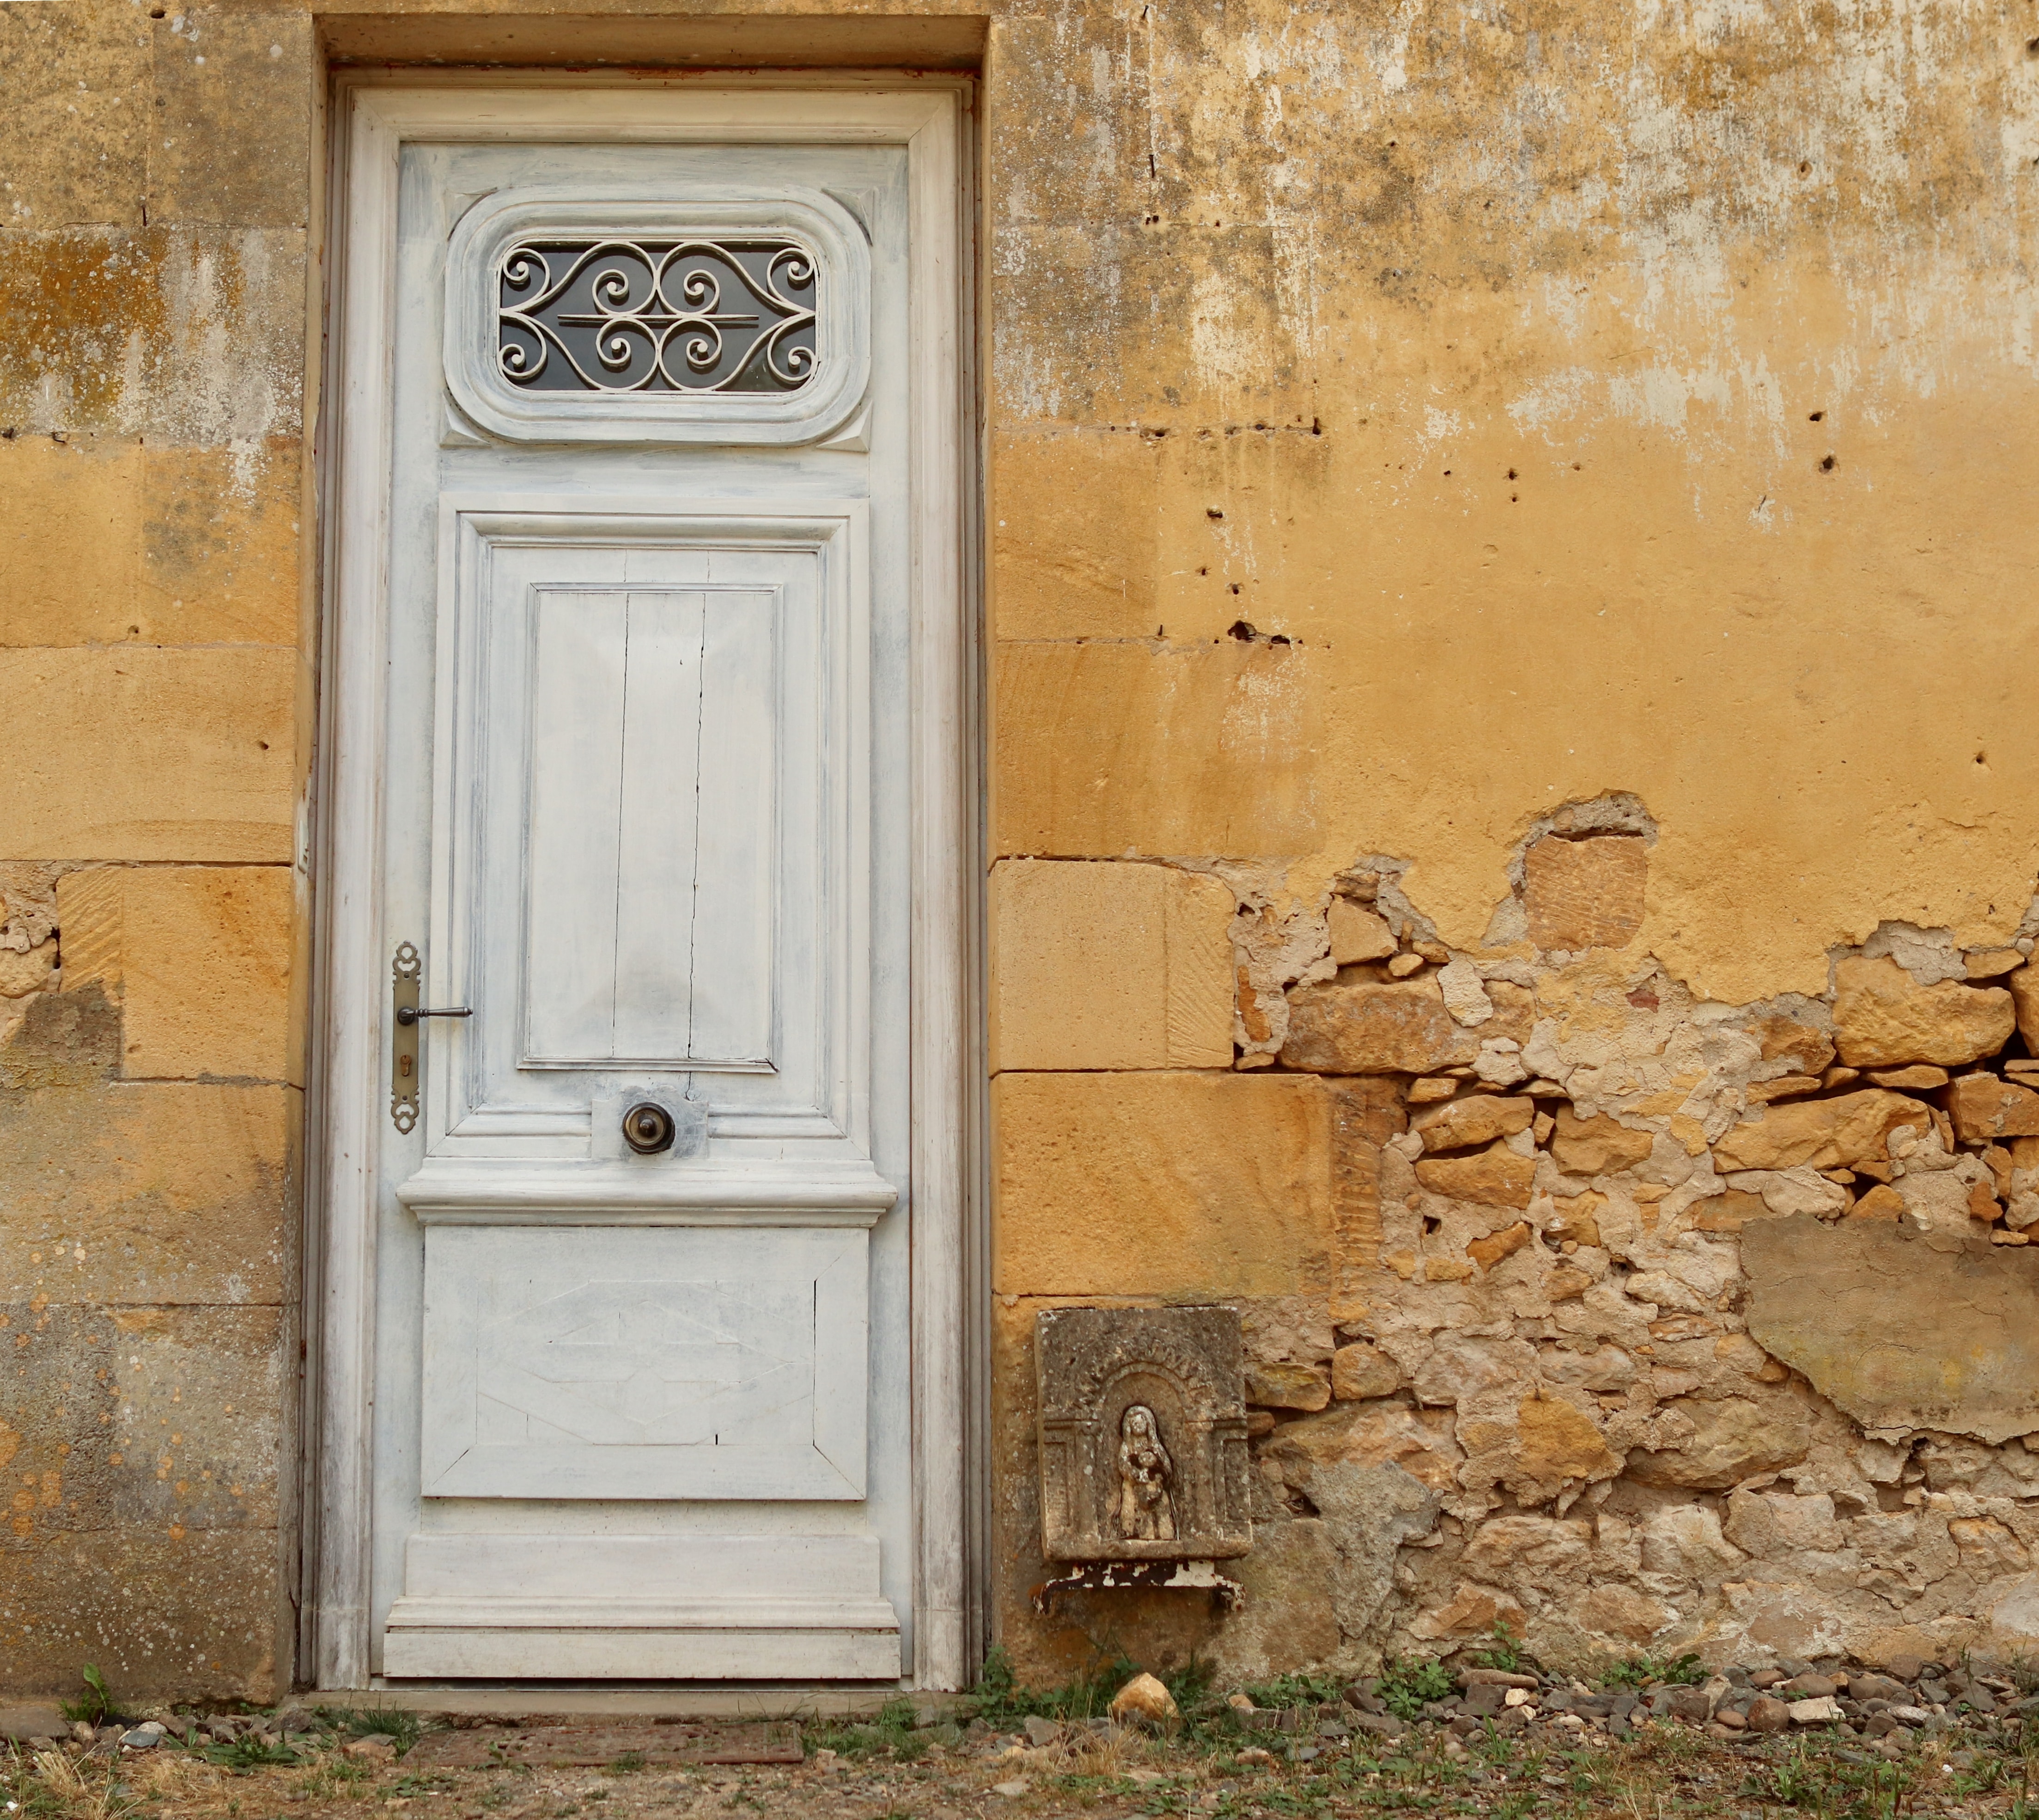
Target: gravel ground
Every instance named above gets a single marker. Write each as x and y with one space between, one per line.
1206 1765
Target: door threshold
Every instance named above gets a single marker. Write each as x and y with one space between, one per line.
526 1700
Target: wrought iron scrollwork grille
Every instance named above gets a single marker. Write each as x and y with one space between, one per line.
691 315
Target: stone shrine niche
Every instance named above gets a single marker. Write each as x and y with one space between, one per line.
1143 1434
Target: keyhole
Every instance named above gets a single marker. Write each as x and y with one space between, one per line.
403 1067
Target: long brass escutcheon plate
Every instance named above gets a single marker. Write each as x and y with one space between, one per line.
404 971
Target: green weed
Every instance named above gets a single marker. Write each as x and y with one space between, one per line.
249 1752
1407 1687
1639 1671
394 1721
95 1706
1507 1654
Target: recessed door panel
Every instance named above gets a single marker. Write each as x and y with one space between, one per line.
651 751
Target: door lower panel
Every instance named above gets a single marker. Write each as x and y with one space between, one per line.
642 1607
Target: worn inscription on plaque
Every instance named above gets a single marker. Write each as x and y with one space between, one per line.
1143 1434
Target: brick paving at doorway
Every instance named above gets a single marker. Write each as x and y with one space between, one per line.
895 1772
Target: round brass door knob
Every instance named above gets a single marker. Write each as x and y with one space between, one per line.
647 1128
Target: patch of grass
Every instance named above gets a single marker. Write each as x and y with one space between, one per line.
1640 1671
1295 1690
892 1733
395 1721
624 1766
336 1779
249 1752
1407 1687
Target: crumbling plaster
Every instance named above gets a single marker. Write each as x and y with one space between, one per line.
1645 1321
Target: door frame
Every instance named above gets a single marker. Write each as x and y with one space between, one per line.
373 116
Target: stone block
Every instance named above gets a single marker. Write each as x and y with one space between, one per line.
1596 1146
1096 965
1476 1119
198 958
112 540
147 1193
1363 1370
74 137
1901 1328
1167 1184
1143 1434
1357 933
187 334
141 753
160 1419
1072 540
222 546
1281 1384
22 1724
1984 1108
1733 1438
1391 1027
1113 751
1835 1133
1587 893
1883 1018
236 93
1047 1651
1496 1177
198 1616
72 540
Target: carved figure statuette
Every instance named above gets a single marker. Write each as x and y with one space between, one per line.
1142 1435
1146 1512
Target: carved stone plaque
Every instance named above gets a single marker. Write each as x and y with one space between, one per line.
1143 1434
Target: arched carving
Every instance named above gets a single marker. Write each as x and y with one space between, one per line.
1142 1434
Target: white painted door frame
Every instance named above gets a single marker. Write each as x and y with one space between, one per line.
373 118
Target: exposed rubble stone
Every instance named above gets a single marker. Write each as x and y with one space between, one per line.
1985 1107
2024 984
1362 1370
1479 1119
1358 934
1823 1133
1285 1386
1394 1028
1884 1018
1584 894
1596 1146
1488 1252
1806 1048
1559 1443
1729 1441
1495 1177
1375 1027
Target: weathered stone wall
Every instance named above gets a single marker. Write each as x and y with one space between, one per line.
154 668
1621 1319
1405 427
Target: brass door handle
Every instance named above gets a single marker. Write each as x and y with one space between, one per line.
405 971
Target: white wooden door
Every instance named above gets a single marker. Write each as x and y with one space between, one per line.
647 766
